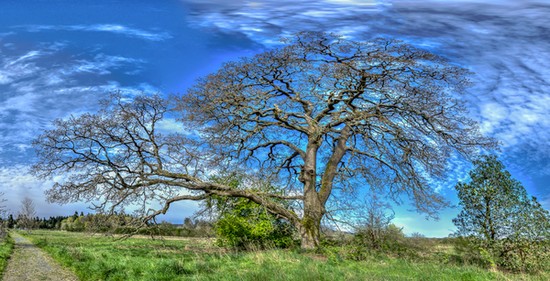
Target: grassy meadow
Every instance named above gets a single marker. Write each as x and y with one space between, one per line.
6 248
96 257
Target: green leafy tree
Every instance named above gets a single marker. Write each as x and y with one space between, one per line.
11 221
242 223
509 227
247 224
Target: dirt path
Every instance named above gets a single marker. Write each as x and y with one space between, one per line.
29 263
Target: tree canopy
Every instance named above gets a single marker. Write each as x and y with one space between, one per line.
498 214
320 116
495 206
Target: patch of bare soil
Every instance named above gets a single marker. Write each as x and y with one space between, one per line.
29 263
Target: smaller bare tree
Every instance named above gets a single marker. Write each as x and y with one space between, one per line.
27 214
375 222
3 221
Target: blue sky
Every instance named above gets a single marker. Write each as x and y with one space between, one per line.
59 57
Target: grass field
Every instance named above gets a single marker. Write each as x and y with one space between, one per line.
103 258
6 248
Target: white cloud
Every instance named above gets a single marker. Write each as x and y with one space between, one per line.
170 125
265 21
39 85
109 28
5 34
101 64
16 68
17 183
355 2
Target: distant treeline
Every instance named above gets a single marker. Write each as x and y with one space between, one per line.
115 224
37 222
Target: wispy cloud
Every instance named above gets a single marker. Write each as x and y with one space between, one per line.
109 28
41 84
265 21
37 86
18 68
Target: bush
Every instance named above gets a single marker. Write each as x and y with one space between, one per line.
511 254
244 224
523 255
3 229
472 253
379 238
387 240
248 225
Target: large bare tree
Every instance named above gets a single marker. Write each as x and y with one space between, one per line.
322 114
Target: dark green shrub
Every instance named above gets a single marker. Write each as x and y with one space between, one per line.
523 255
510 254
472 252
246 224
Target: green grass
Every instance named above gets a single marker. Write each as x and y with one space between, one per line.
6 248
102 258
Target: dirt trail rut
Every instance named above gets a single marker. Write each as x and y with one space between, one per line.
29 263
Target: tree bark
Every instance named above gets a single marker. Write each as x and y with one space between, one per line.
309 225
309 229
313 213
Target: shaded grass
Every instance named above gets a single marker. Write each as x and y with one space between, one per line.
102 258
6 249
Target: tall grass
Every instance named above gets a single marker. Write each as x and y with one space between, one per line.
103 258
6 248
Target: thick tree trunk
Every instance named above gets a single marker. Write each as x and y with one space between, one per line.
309 225
310 235
314 201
